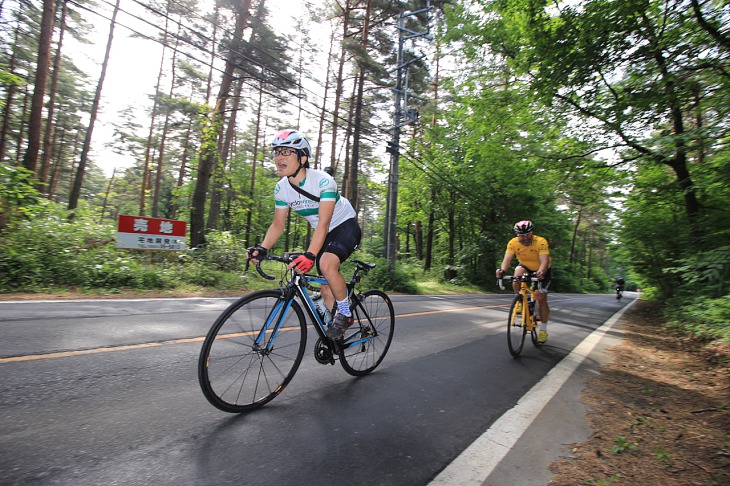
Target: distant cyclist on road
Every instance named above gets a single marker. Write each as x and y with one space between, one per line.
314 195
620 284
533 255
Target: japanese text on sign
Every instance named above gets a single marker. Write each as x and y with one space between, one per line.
143 233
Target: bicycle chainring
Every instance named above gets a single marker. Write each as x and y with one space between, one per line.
323 353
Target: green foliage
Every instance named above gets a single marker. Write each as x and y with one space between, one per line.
622 445
222 251
8 78
706 318
550 114
18 197
704 272
108 267
663 455
197 273
50 250
400 280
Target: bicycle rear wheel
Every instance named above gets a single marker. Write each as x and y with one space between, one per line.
533 332
515 329
367 341
533 335
244 363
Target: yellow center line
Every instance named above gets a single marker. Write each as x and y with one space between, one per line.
458 309
106 349
65 354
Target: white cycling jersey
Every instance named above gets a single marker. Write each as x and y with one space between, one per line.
321 185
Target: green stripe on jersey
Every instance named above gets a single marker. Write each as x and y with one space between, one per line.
308 212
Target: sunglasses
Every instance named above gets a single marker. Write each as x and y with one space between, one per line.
285 151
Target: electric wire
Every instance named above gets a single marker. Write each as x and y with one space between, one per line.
315 112
238 65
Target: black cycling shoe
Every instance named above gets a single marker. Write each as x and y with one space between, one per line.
339 325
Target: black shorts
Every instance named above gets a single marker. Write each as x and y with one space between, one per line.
342 240
545 280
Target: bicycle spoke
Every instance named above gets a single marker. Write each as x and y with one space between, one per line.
515 328
236 372
369 338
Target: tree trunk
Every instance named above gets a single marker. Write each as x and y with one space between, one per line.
429 232
251 192
355 162
8 100
208 152
165 128
106 196
47 136
73 199
219 171
339 84
146 176
213 54
21 129
43 62
575 236
183 168
452 234
318 153
345 189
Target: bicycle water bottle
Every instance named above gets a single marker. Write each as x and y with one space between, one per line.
531 305
321 307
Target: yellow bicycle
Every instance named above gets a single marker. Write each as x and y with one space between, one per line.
523 317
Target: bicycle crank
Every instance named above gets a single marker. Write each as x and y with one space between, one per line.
323 353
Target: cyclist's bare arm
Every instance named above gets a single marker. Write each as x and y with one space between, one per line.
274 232
505 264
544 261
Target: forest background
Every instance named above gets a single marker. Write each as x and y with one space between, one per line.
604 122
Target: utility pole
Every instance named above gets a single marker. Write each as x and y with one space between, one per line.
401 117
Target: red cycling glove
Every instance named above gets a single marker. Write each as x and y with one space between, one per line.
305 262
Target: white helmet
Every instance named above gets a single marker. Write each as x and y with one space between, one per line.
294 139
523 227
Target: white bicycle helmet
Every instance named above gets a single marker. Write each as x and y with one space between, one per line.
523 227
294 139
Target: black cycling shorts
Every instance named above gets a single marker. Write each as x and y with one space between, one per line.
342 240
545 280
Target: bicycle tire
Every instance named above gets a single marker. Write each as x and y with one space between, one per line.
515 329
367 341
234 373
533 333
533 336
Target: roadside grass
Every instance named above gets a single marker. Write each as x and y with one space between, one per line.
229 284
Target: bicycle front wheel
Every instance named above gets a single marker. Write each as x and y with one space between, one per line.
516 330
367 341
252 352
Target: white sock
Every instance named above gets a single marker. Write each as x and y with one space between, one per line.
542 327
343 307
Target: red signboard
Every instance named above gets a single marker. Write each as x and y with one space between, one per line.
143 233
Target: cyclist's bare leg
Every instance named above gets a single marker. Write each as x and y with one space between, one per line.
542 305
519 271
329 265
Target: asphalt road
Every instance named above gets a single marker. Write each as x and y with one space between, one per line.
106 392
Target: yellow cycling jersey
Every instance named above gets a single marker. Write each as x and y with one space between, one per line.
529 256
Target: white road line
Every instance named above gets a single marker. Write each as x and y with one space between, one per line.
477 462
